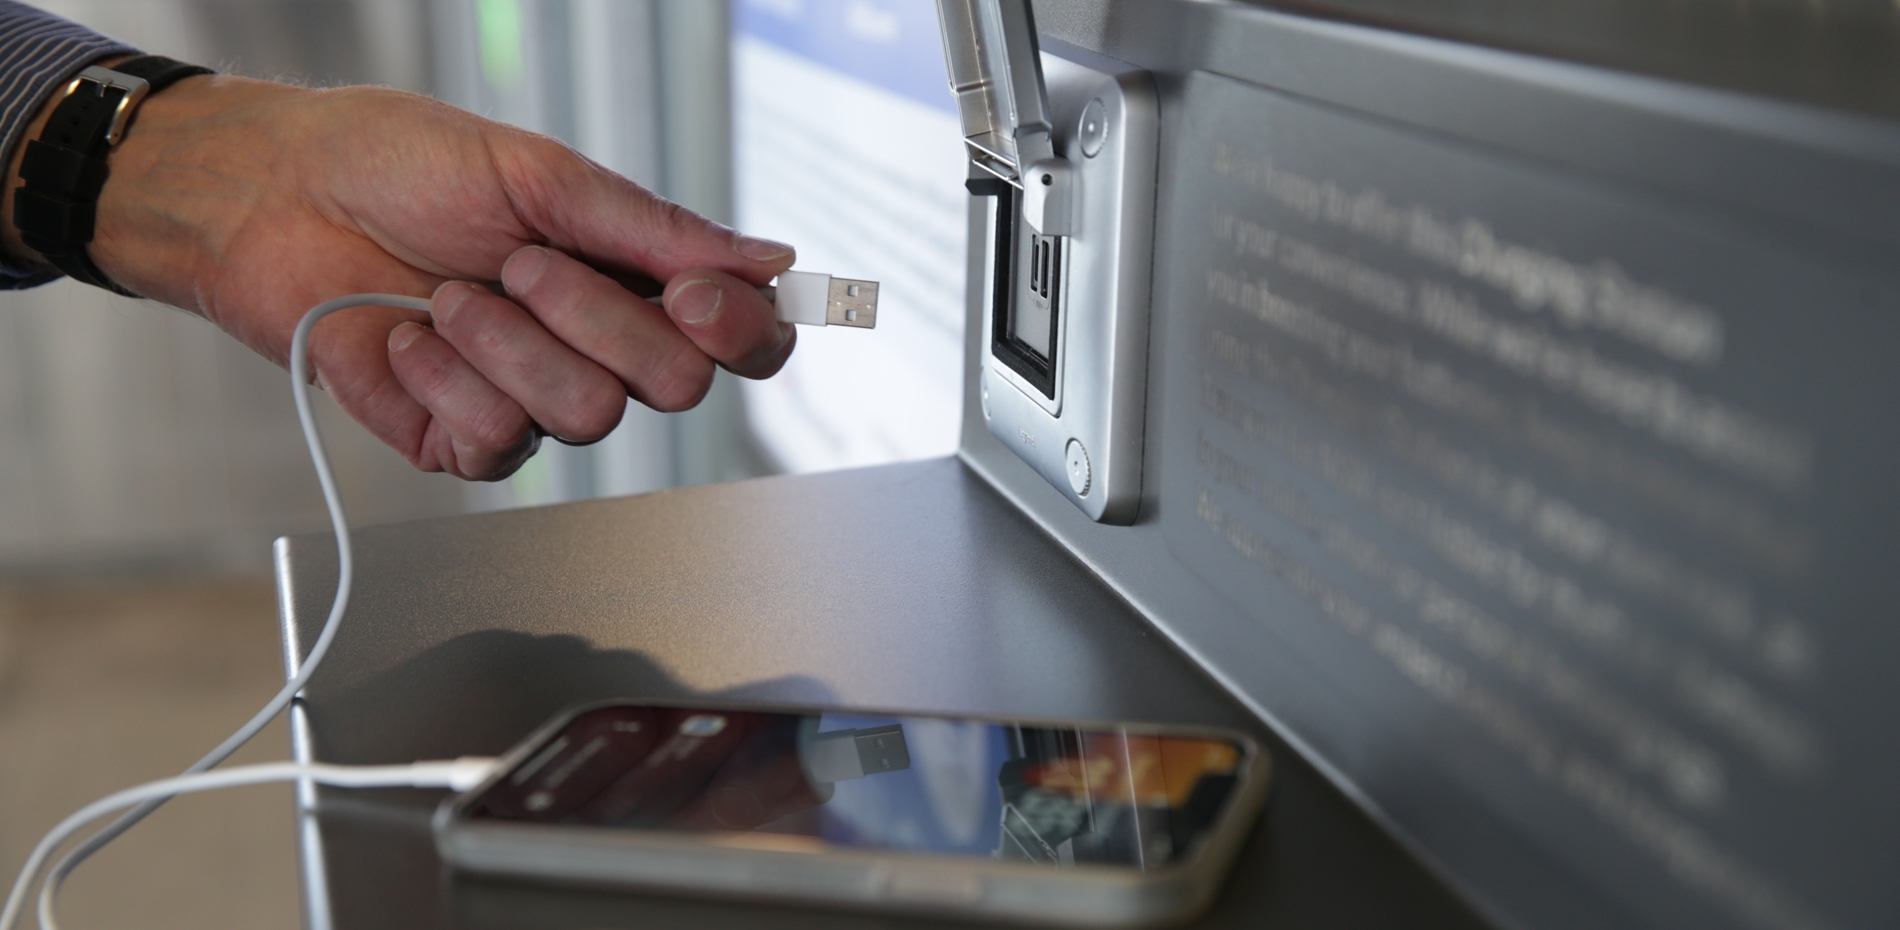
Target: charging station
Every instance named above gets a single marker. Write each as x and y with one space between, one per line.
1062 144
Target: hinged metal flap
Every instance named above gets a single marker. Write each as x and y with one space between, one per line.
996 73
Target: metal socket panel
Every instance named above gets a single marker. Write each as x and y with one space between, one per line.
1097 392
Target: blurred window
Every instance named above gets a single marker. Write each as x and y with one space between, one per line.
847 145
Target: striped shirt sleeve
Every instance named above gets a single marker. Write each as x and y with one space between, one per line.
38 53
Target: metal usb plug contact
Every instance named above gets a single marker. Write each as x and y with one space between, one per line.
812 299
851 303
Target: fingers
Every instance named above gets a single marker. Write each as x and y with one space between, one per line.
565 353
730 321
616 329
474 430
563 390
663 356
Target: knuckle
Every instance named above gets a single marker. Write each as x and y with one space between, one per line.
437 451
761 357
498 429
415 450
434 376
766 360
423 369
679 385
603 413
672 215
679 232
413 446
559 279
591 416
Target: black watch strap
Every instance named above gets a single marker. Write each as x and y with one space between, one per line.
64 170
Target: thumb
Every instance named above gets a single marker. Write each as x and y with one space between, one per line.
616 225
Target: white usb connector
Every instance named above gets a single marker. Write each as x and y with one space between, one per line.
813 299
810 298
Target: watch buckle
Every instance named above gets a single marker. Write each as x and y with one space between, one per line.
135 89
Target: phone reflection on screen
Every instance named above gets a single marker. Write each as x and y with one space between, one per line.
1050 795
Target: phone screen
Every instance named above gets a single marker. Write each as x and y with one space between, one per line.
1051 795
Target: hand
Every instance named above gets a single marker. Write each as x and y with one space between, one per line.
249 202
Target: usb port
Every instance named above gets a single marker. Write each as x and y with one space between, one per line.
1045 265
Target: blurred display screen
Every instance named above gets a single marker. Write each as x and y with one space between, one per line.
846 143
1052 795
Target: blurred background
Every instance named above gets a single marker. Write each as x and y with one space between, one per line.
147 460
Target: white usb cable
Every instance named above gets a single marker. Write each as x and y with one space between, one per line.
333 501
455 775
800 297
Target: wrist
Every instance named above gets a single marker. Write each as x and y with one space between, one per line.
94 206
183 181
16 249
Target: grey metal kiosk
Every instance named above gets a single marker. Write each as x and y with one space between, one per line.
1518 440
907 586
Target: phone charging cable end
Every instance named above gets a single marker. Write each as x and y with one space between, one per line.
814 299
454 774
810 298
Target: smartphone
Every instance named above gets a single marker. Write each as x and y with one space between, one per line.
1037 821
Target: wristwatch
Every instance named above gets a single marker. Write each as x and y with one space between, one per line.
65 168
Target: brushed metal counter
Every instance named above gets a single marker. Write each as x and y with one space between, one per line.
911 587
